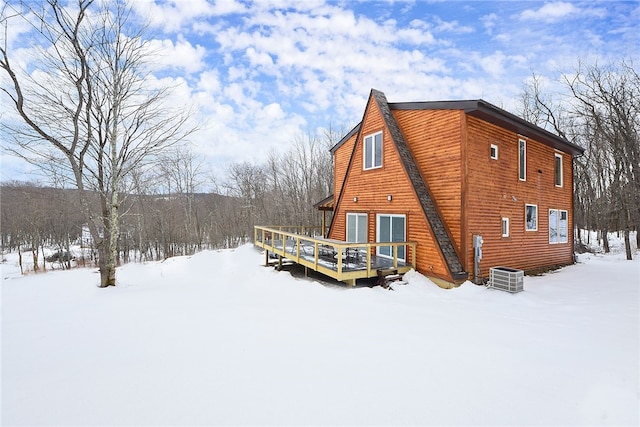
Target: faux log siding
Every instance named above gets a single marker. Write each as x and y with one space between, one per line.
434 138
340 163
494 191
372 187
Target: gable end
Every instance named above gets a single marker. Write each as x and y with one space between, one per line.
427 203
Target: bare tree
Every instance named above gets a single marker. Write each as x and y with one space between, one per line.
598 109
86 104
184 174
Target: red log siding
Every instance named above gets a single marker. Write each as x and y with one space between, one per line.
473 192
340 162
493 191
372 187
434 139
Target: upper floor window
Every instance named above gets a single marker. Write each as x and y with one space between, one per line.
531 217
494 151
522 159
558 170
373 151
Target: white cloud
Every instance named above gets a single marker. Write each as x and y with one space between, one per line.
451 27
179 55
210 81
259 73
489 22
550 12
174 15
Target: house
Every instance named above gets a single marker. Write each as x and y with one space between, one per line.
450 174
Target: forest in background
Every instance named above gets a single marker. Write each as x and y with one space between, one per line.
164 211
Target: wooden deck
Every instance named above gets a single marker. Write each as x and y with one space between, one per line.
340 260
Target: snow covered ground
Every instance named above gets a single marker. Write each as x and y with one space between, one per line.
218 339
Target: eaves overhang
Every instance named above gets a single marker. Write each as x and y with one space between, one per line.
345 138
490 113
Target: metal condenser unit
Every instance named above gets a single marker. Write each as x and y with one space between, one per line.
506 279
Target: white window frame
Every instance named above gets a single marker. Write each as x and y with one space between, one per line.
522 159
505 227
369 151
357 215
537 218
559 238
493 152
378 253
557 156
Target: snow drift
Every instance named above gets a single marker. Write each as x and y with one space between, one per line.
218 339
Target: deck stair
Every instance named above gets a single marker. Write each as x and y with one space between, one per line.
387 277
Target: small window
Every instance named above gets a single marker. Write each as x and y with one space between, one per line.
505 227
494 152
522 159
373 151
558 170
558 226
531 217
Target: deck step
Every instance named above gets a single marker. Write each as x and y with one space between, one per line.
386 277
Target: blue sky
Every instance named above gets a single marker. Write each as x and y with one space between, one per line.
261 74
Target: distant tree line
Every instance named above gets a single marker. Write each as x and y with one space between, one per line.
598 108
164 210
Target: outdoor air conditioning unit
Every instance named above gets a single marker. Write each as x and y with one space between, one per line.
506 279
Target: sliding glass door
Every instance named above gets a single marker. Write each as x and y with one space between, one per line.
391 228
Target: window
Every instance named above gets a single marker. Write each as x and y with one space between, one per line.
373 151
494 152
522 159
505 227
356 228
391 228
558 170
558 226
531 217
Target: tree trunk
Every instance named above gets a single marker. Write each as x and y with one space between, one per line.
605 241
20 260
34 252
107 269
68 249
627 244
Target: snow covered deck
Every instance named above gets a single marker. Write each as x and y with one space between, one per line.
338 259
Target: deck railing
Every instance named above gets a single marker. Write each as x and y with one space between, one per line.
341 260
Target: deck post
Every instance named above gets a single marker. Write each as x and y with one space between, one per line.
413 255
266 258
395 256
